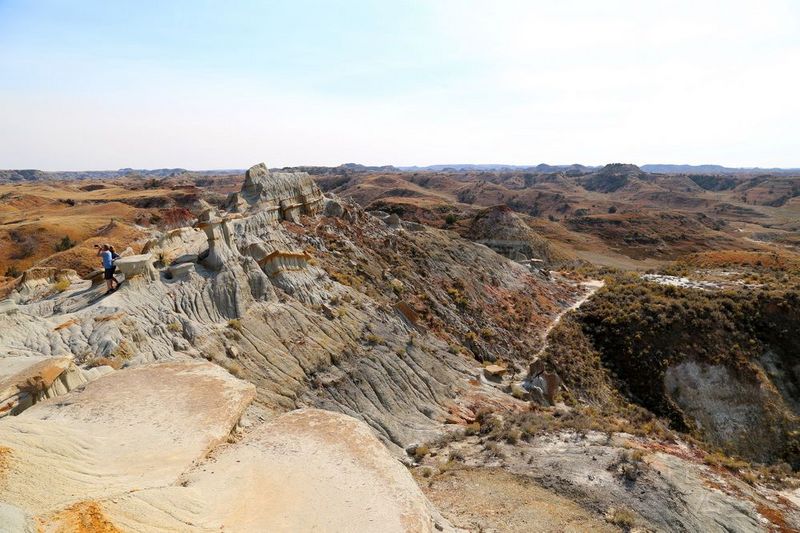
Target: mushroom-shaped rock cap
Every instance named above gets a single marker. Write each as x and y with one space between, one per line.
208 215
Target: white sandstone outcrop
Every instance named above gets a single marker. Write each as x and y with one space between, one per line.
129 452
176 243
282 195
137 266
221 249
308 470
129 430
27 380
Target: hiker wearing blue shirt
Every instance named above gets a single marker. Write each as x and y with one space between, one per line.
108 255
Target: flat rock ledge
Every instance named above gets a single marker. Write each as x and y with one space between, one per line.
147 449
25 380
129 430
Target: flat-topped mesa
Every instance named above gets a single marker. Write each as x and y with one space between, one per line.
284 195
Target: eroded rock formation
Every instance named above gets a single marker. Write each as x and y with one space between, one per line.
307 308
335 310
25 381
505 232
282 195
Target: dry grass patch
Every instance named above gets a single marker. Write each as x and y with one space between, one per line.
374 340
421 451
721 460
234 368
107 318
622 518
67 324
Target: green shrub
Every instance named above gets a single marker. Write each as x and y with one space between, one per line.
65 244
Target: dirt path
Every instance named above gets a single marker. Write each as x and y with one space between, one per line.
592 286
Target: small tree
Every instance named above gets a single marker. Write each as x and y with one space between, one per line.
25 247
450 219
13 272
65 244
612 209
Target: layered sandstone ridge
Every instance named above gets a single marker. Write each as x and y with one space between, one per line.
283 195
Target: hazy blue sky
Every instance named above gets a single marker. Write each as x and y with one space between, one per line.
203 84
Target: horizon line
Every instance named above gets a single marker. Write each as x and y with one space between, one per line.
411 166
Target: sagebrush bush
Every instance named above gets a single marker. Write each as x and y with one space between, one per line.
65 244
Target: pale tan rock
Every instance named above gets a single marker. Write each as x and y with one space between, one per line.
221 248
282 261
137 266
130 430
24 380
8 306
14 520
284 195
181 270
177 243
495 371
309 470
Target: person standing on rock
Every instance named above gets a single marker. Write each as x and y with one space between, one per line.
107 254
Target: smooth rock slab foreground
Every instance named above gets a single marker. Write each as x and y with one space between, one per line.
309 470
130 430
129 452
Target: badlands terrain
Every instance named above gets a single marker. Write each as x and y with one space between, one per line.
377 349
